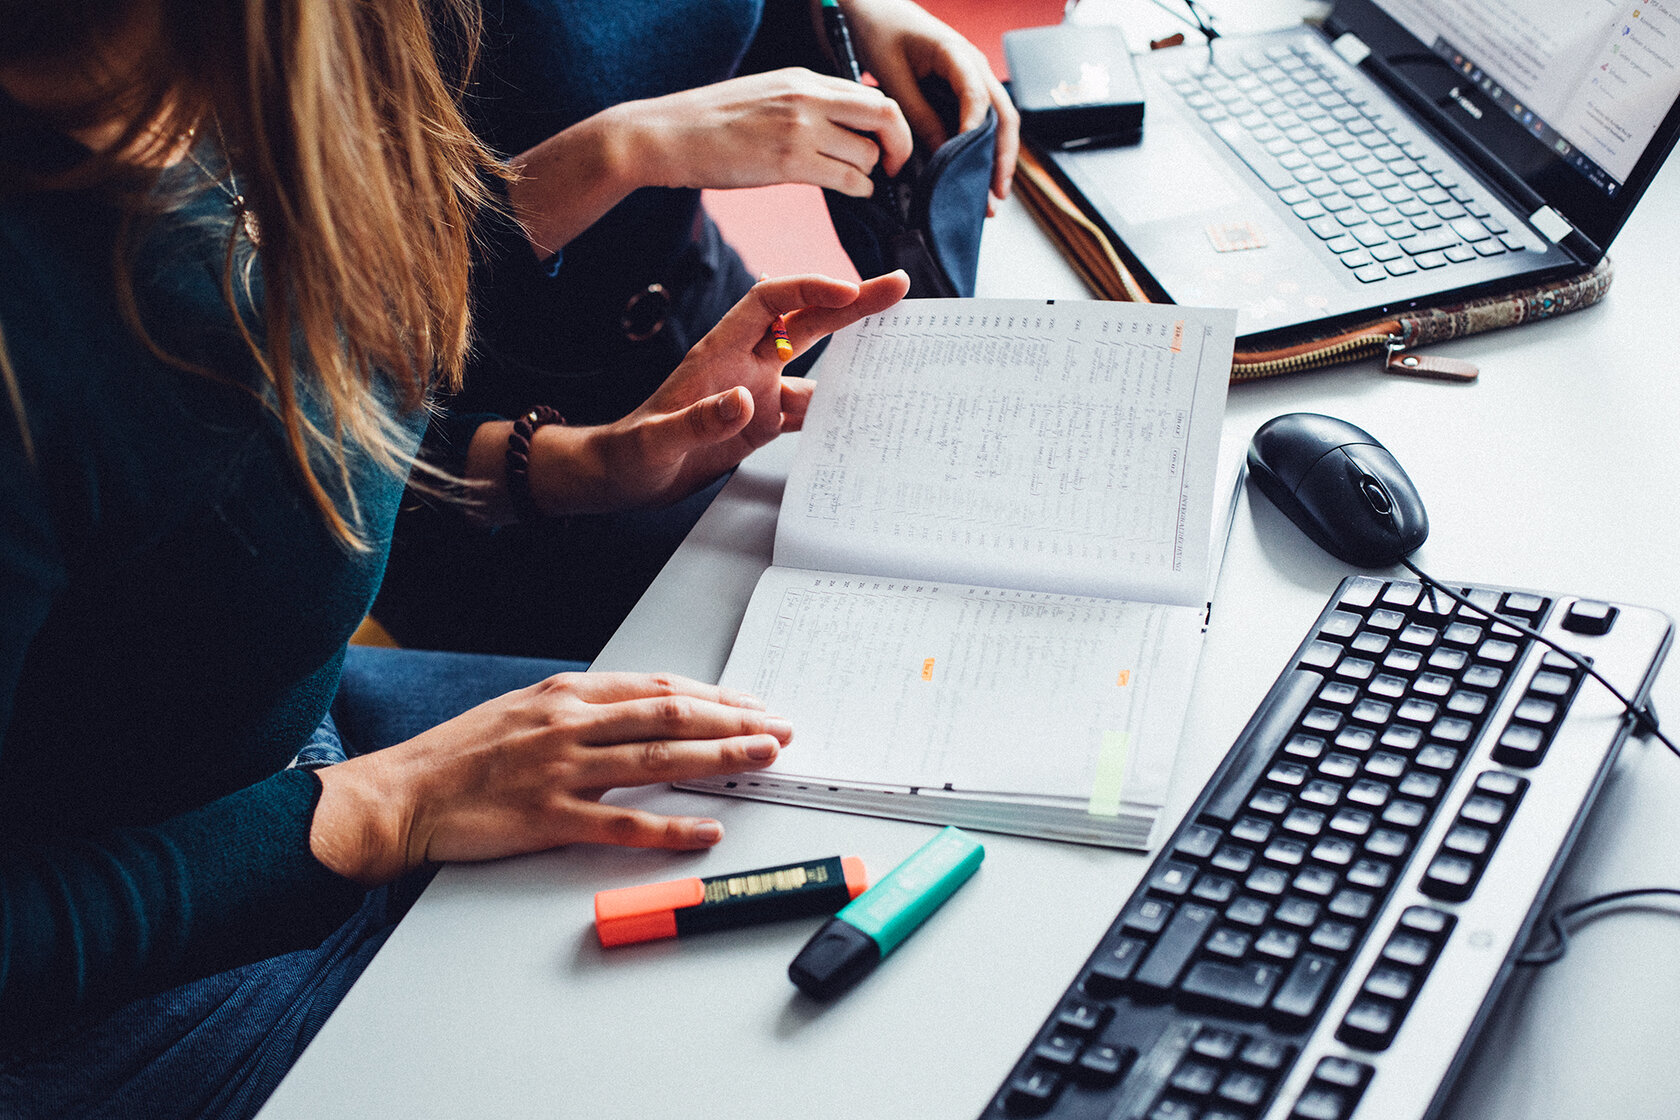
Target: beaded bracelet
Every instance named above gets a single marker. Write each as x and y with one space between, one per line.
519 459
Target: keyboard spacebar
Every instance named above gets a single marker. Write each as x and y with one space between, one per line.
1259 160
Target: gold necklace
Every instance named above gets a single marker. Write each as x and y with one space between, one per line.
228 186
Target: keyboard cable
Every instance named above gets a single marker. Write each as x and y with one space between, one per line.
1644 718
1562 923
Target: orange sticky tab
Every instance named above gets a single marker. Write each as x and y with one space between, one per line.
927 669
1124 679
857 877
631 914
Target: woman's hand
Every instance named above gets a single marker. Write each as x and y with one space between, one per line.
526 771
787 126
900 43
726 398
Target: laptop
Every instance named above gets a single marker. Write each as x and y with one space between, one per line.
1406 153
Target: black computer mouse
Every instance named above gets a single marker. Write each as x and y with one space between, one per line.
1341 486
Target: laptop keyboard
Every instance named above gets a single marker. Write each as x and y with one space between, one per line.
1379 198
1322 933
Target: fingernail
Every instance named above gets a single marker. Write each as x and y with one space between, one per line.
781 728
758 750
730 407
708 832
742 699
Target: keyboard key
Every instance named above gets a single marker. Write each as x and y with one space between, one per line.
1219 1045
1194 1079
1298 912
1109 972
1149 916
1388 843
1450 877
1370 1024
1297 1000
1172 878
1485 810
1102 1065
1389 982
1233 859
1033 1092
1058 1051
1238 988
1229 943
1278 944
1267 1054
1244 1088
1082 1017
1214 888
1353 905
1198 841
1321 1104
1335 937
1177 944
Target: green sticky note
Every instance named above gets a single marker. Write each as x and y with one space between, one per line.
1111 774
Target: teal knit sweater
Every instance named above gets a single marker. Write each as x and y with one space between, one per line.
173 616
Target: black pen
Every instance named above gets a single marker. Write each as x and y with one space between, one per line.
840 40
845 57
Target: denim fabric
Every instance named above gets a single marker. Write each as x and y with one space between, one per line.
216 1048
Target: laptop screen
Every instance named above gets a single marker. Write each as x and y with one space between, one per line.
1575 98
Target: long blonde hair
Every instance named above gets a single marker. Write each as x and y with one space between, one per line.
365 180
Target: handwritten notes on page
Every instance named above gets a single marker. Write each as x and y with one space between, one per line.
914 684
1015 443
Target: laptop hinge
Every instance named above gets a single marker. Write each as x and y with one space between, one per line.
1552 225
1351 47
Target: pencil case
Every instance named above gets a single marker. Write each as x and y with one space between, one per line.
1097 260
927 219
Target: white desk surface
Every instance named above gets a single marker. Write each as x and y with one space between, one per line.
1556 471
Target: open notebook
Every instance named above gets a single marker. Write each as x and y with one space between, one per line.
993 565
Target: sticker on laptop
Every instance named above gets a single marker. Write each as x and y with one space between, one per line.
1232 237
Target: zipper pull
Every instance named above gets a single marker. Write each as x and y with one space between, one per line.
1401 360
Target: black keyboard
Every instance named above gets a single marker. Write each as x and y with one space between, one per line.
1378 194
1324 932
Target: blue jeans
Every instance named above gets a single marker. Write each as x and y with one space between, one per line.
217 1047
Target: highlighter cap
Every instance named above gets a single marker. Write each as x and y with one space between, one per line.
836 958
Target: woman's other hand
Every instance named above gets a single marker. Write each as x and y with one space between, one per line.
727 398
526 771
900 43
786 126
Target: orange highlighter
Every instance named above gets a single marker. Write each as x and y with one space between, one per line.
684 906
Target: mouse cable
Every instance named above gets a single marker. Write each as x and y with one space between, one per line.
1562 922
1644 719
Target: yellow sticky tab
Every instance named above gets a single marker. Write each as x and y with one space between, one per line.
927 669
1111 774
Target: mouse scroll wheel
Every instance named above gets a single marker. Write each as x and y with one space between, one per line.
1376 494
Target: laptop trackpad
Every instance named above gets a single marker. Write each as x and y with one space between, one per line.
1150 179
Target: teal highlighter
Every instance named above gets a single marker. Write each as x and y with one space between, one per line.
872 925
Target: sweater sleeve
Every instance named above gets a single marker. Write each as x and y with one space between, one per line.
90 920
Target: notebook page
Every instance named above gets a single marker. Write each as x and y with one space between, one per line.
904 683
1067 446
